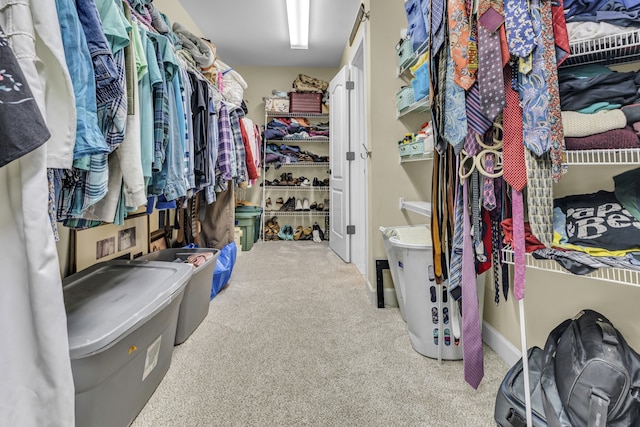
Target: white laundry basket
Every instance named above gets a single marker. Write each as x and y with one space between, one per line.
432 319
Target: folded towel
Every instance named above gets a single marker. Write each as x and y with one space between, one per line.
578 124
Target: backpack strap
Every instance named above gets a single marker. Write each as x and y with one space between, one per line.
553 409
598 409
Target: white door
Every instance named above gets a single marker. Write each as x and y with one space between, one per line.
339 240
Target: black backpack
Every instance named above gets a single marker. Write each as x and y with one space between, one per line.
592 371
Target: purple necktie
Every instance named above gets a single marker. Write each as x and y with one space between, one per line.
473 358
519 248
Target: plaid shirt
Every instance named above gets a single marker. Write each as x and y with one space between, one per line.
112 105
241 156
224 166
160 113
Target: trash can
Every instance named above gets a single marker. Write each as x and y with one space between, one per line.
195 303
248 219
121 323
430 314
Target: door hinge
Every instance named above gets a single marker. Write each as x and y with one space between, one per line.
351 85
351 155
351 229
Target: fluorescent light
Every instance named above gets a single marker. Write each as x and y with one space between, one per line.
298 16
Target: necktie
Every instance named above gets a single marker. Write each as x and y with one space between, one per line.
520 264
437 25
557 145
455 263
540 197
560 34
473 358
535 105
514 166
490 65
518 27
459 31
488 195
478 124
455 117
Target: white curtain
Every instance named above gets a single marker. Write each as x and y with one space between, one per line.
36 384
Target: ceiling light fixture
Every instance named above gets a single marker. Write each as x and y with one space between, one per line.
298 17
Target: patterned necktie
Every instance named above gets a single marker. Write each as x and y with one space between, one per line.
437 25
557 145
455 117
490 65
520 267
473 359
518 27
478 124
455 263
535 106
488 195
513 163
459 30
560 34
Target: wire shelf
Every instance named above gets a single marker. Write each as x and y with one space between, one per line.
295 188
604 156
289 141
302 164
307 115
411 61
420 106
296 213
614 275
416 157
613 49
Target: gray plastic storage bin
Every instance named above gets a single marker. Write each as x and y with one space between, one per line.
121 322
197 294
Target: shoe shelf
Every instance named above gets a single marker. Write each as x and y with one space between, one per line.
621 156
613 49
309 115
295 187
289 141
295 213
614 275
302 164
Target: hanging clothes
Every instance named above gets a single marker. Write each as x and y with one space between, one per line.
37 385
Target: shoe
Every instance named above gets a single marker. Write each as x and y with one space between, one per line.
289 232
305 205
326 205
289 205
316 236
317 228
313 206
320 207
307 233
279 203
267 204
298 233
282 234
305 183
299 205
316 182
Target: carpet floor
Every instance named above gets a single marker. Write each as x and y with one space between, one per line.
293 340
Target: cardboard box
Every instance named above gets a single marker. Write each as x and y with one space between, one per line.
305 102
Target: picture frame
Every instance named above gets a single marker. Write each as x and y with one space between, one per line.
110 241
157 241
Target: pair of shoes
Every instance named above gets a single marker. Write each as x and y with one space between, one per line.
307 233
318 235
302 205
289 205
271 229
286 232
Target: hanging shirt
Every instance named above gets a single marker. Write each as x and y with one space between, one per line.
89 138
150 87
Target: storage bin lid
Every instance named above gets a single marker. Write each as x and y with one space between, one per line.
416 237
108 299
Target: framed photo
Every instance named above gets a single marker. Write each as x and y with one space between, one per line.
110 241
157 241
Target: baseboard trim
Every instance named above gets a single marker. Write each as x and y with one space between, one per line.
502 346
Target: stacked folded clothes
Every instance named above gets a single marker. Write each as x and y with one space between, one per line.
284 128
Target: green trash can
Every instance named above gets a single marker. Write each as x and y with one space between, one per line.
248 219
